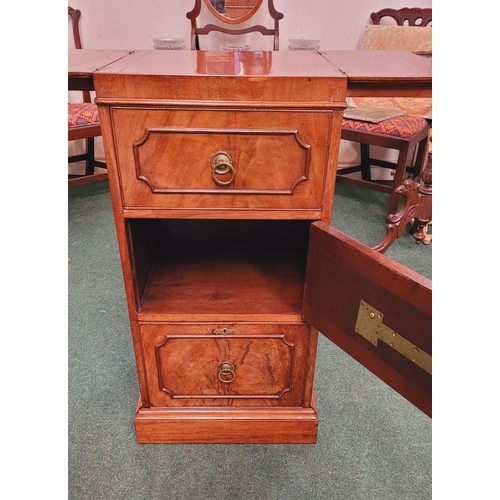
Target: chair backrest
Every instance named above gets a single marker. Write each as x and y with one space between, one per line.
205 30
407 16
75 14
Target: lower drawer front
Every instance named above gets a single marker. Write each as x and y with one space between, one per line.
222 159
243 365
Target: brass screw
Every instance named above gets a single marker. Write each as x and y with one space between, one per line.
372 315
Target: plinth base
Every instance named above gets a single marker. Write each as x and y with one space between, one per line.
226 425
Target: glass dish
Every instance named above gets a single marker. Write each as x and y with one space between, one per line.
235 46
296 47
168 41
169 47
303 44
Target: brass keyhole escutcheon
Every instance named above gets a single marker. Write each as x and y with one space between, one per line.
222 164
225 372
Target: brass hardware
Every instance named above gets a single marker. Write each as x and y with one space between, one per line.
225 372
223 331
221 164
370 326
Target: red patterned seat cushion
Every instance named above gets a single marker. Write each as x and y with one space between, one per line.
402 126
82 113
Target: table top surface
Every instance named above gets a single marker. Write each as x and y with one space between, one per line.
388 72
366 65
84 62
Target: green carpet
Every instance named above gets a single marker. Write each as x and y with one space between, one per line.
372 443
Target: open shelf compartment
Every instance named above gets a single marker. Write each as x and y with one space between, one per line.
217 270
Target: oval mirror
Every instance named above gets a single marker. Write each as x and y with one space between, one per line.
233 11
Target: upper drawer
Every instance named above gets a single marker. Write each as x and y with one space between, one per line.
220 158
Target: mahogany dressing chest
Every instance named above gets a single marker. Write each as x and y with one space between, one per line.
222 174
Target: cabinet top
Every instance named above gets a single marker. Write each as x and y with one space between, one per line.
222 76
224 63
286 76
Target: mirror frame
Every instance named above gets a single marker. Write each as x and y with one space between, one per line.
228 20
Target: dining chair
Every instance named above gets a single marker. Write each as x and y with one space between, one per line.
232 13
407 133
83 123
406 16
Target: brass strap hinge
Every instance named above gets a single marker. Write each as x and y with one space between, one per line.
371 327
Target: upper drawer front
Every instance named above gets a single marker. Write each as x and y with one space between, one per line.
263 366
268 159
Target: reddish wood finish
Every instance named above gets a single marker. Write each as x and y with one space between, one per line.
75 15
220 78
231 18
360 73
383 73
199 259
407 16
271 153
82 64
411 150
371 73
269 364
413 147
417 209
269 125
340 273
234 426
86 132
185 278
162 121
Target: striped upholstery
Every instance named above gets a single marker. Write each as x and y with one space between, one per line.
402 126
82 113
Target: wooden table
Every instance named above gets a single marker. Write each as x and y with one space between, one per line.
82 63
383 73
370 73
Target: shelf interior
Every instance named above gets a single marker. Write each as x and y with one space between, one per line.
219 270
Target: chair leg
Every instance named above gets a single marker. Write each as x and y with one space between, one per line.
421 155
398 178
365 162
89 162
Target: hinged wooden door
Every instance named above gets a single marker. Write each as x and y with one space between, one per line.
375 309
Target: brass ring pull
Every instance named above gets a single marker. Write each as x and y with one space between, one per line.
218 181
225 372
221 164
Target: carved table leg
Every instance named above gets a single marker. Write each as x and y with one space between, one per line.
417 210
424 213
397 222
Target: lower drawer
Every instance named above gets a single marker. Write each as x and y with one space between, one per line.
227 365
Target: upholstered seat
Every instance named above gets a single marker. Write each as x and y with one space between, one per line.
407 133
401 126
82 113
